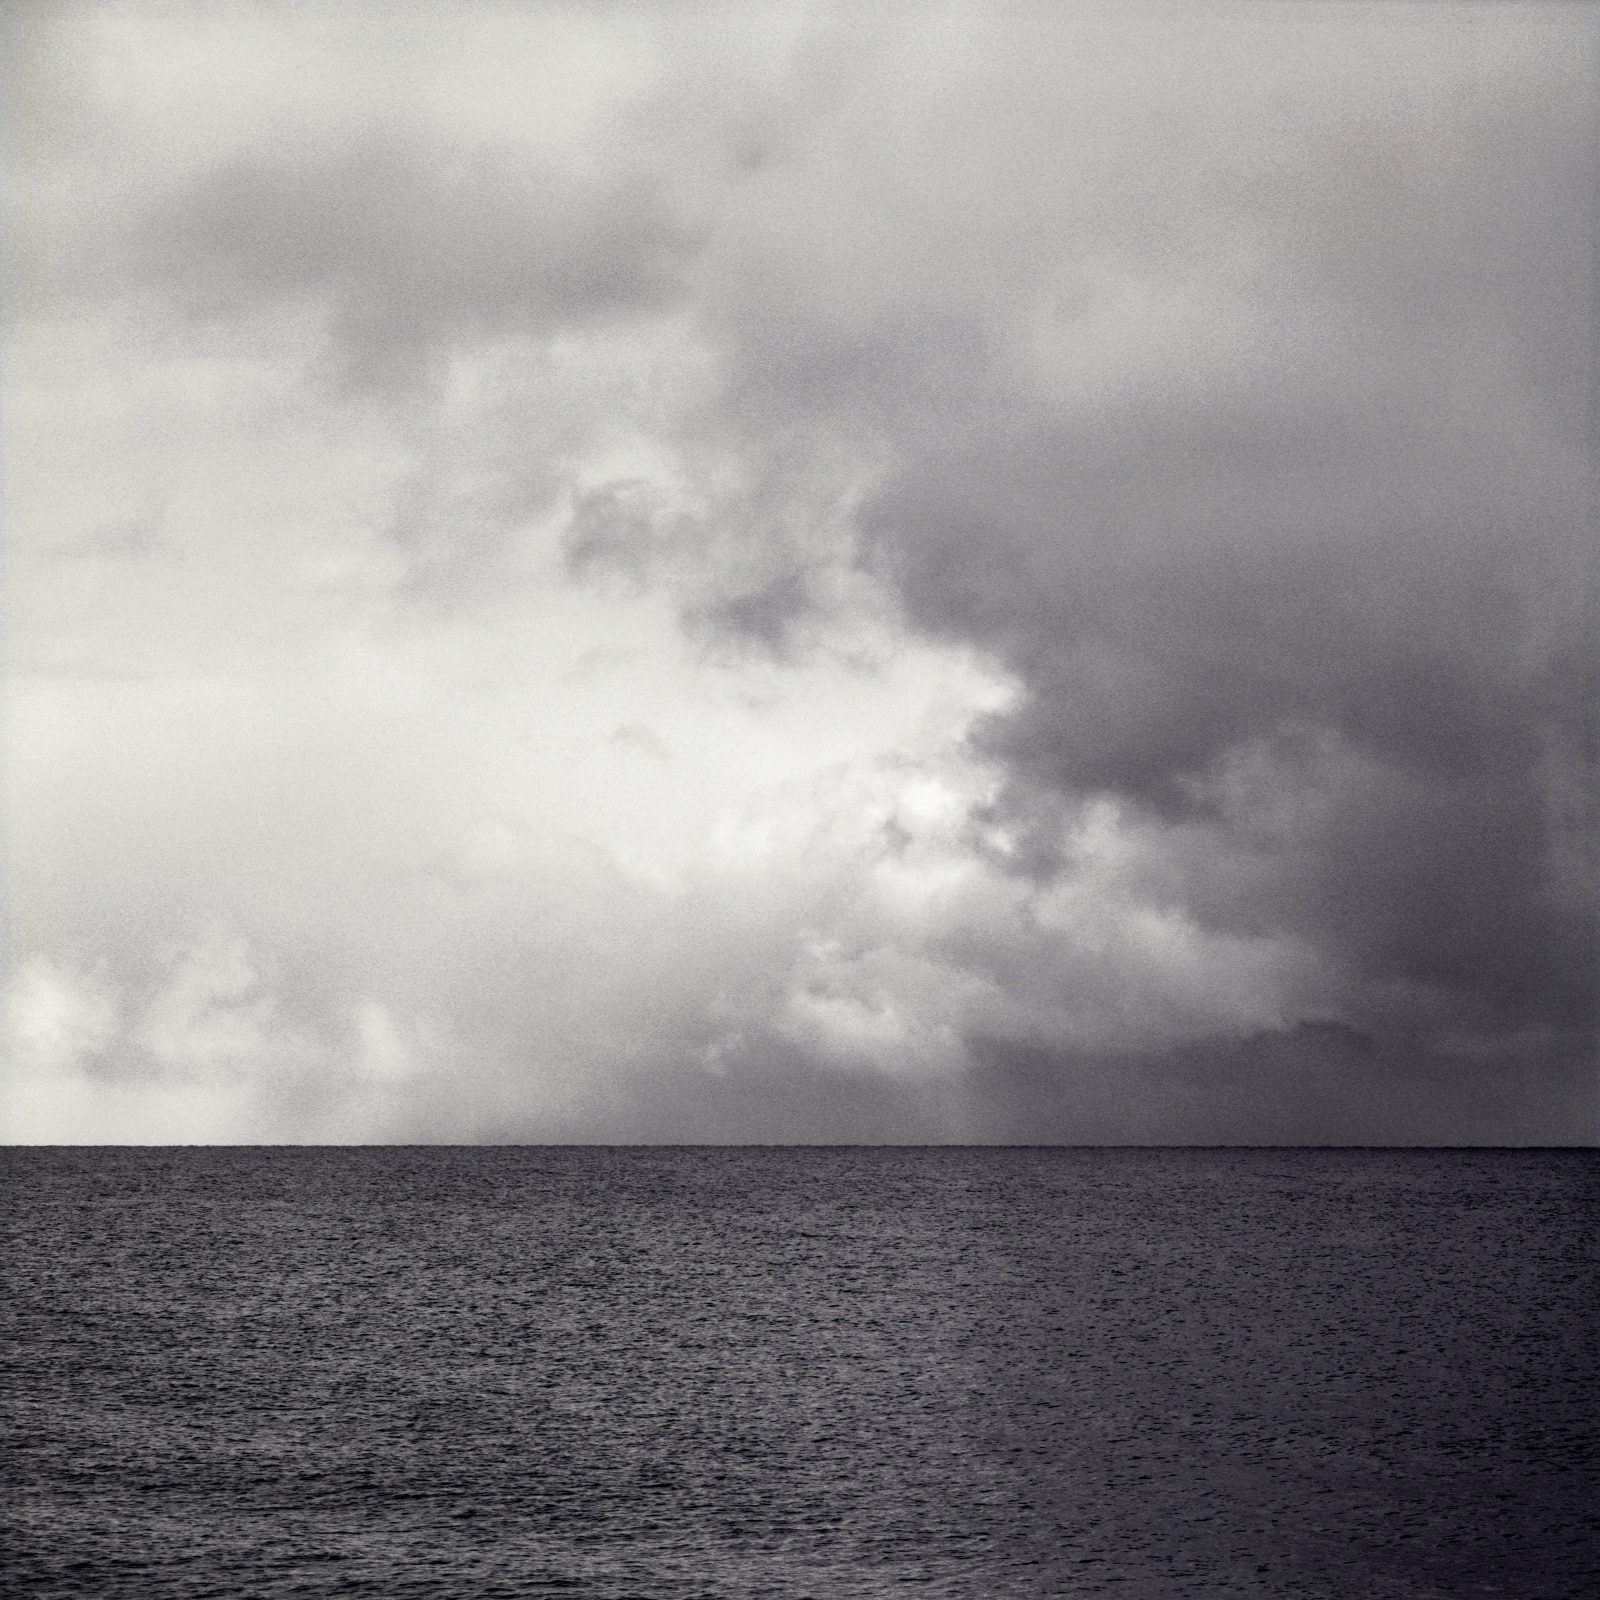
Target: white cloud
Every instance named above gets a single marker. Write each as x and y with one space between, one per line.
58 1020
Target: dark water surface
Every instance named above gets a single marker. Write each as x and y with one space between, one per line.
704 1372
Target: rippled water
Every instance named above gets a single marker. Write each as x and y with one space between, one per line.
704 1372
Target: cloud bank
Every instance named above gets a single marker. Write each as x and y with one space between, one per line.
999 573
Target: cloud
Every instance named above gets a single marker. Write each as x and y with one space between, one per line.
1094 504
383 191
57 1019
1250 443
413 887
409 251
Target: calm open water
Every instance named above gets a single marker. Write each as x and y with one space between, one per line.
842 1372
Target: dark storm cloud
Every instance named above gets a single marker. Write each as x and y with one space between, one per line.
1198 664
1264 460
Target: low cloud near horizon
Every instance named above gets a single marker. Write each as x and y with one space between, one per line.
802 573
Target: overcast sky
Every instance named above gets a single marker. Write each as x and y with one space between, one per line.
796 572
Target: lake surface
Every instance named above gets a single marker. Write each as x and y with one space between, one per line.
845 1372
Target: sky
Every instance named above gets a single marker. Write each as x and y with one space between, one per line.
993 572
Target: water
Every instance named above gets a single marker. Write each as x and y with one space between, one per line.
666 1373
